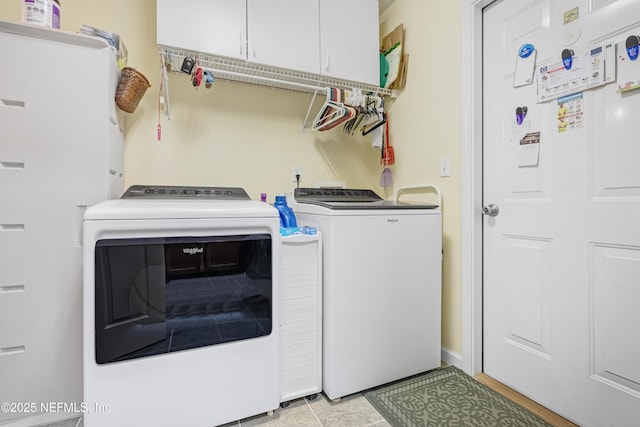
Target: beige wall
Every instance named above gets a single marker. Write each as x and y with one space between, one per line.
248 136
426 126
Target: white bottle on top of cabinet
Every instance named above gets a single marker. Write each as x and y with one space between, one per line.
350 40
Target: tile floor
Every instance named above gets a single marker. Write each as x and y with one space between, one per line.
75 422
352 411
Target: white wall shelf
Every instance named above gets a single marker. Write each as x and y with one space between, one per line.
247 72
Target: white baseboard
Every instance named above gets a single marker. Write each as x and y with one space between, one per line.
451 358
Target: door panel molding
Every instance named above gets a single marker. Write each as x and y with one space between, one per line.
614 294
528 285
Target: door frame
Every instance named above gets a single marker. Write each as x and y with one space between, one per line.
472 252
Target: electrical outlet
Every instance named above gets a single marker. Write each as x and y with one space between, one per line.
445 166
295 170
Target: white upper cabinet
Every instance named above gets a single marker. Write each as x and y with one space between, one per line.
333 38
350 40
284 33
216 27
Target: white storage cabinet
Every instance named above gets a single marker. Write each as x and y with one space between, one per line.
284 33
210 26
61 150
350 40
300 316
332 38
281 33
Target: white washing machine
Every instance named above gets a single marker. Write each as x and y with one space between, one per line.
381 286
181 312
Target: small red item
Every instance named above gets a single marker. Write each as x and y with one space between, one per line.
388 156
198 77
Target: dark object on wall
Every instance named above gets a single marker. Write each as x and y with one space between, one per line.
567 58
187 65
632 44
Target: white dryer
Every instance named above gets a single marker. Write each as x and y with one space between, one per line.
181 313
381 286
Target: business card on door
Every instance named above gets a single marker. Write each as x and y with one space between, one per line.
529 150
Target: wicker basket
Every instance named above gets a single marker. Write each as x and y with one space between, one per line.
131 88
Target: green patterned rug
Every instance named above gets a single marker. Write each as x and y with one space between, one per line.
447 397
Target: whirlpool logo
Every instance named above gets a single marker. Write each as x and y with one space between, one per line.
192 251
393 220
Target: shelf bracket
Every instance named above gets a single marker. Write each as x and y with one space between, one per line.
306 117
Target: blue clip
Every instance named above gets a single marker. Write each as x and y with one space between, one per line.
632 47
526 50
208 79
567 59
521 113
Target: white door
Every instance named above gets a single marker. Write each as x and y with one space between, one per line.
562 255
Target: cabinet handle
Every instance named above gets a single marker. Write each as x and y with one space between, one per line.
240 43
254 47
326 61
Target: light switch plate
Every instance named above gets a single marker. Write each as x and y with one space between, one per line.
445 166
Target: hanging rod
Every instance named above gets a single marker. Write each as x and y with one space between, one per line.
268 81
264 75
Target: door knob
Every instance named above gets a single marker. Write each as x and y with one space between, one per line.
491 210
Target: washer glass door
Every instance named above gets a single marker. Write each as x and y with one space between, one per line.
160 295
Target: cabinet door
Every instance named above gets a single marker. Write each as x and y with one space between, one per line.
350 39
209 26
284 33
49 172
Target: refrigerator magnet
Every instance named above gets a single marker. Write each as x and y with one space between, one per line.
632 47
